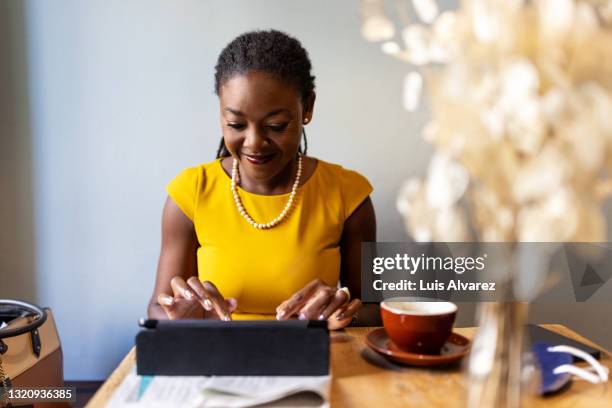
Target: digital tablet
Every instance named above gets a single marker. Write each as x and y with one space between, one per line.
251 347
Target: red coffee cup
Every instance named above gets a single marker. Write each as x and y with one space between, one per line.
418 327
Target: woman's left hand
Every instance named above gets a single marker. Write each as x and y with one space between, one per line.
319 301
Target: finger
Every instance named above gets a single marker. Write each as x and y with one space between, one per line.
281 306
347 312
297 300
166 302
339 299
180 288
312 310
232 304
218 302
343 316
195 284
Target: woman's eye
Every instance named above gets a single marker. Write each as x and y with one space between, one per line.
278 127
237 126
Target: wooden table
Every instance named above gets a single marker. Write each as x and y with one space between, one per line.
362 378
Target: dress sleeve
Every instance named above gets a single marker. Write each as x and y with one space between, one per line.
355 189
183 190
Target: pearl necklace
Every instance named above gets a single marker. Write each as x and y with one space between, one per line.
282 215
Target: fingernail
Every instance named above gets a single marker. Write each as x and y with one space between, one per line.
188 294
168 301
227 319
208 305
280 314
321 317
302 316
340 316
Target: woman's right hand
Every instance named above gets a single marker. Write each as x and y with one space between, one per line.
195 300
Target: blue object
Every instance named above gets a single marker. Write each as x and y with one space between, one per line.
548 361
145 381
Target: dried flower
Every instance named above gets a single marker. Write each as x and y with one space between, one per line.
413 84
427 10
521 118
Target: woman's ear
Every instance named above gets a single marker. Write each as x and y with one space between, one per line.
309 107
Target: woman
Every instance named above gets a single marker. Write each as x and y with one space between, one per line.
264 231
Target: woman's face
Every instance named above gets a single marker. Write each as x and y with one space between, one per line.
261 120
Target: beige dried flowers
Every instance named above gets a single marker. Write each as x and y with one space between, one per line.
520 94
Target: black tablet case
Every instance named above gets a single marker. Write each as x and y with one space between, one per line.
201 347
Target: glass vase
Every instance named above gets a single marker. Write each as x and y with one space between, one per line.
500 370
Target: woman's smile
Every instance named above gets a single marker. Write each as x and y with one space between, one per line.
259 158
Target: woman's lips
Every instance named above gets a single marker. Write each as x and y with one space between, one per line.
259 158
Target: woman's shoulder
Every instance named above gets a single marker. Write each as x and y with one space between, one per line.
195 178
191 183
350 186
339 173
199 172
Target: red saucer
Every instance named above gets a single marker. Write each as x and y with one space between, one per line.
455 348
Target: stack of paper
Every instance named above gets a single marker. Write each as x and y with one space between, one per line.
226 392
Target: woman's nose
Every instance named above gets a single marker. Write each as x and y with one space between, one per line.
254 139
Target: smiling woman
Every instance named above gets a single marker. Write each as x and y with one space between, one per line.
264 231
266 140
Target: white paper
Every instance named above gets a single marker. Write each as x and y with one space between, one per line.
225 391
246 391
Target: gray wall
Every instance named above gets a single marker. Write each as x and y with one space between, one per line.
17 267
108 100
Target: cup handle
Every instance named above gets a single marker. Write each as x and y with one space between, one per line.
585 374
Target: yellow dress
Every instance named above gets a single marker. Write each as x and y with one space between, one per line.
262 268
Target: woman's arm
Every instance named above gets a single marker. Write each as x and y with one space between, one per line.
359 227
177 258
